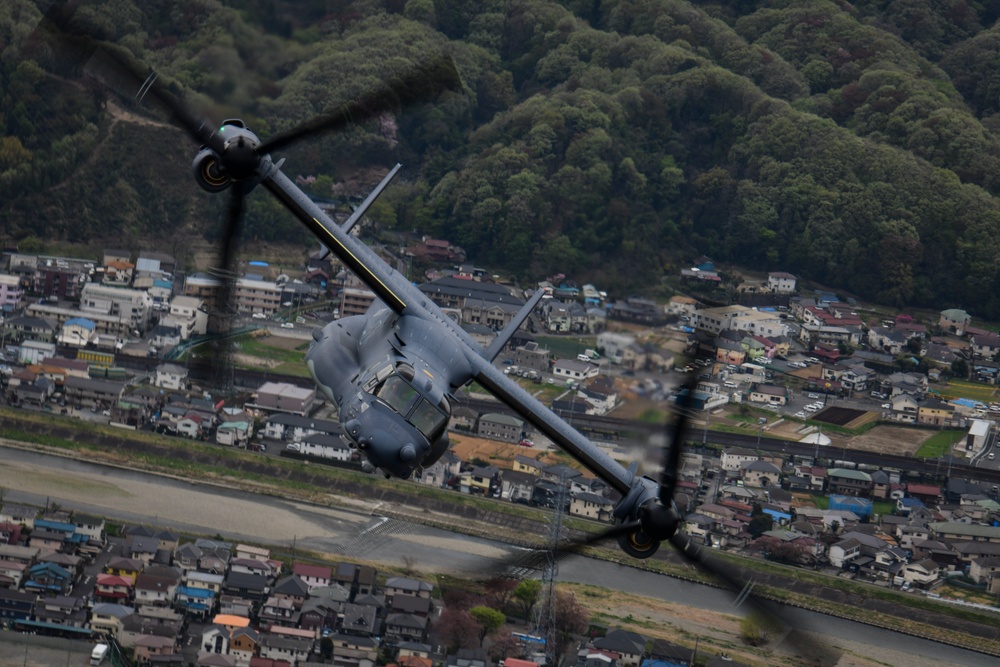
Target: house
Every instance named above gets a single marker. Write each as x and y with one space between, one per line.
845 481
517 486
77 332
407 587
760 474
284 397
591 506
481 480
574 369
16 605
108 617
630 646
313 576
921 574
734 458
405 628
769 393
780 282
293 589
18 514
933 412
155 590
664 654
148 647
295 428
353 650
496 426
113 588
278 611
954 321
170 376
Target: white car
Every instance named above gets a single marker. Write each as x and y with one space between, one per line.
811 408
887 406
287 325
812 395
259 316
800 414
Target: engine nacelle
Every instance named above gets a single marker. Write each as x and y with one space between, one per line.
208 173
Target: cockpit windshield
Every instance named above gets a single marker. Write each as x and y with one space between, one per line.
396 393
427 418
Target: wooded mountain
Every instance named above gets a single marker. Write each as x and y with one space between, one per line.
856 144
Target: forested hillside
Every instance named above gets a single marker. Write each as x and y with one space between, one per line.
856 144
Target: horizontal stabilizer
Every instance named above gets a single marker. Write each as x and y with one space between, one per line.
361 210
508 332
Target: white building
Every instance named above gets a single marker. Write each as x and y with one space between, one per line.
781 283
170 376
188 314
613 345
132 307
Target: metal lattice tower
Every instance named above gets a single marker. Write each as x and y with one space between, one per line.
222 368
545 611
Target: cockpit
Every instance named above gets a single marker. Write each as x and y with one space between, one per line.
397 392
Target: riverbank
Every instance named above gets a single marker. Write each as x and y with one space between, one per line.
342 490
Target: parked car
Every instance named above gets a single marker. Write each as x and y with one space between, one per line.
287 325
812 395
887 406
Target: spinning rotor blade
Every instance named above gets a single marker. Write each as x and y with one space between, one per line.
672 449
421 84
231 230
110 64
772 615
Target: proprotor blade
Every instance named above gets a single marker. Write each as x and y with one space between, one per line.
118 70
421 84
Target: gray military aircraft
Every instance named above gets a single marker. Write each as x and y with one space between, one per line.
394 371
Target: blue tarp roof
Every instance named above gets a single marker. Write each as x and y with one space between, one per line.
80 322
202 593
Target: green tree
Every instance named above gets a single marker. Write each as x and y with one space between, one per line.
757 629
489 619
526 595
759 525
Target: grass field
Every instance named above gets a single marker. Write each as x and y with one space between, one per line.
938 444
971 390
566 347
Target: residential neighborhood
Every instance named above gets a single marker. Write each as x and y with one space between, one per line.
785 361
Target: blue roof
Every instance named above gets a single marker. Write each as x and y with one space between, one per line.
163 283
965 402
911 502
55 525
202 593
81 322
257 262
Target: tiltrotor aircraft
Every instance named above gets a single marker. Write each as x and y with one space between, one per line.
393 372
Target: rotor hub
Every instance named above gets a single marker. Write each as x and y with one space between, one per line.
239 156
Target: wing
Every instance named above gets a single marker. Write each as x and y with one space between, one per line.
393 289
548 423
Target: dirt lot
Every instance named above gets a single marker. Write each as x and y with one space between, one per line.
498 453
891 440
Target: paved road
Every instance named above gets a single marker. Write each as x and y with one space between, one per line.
137 497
